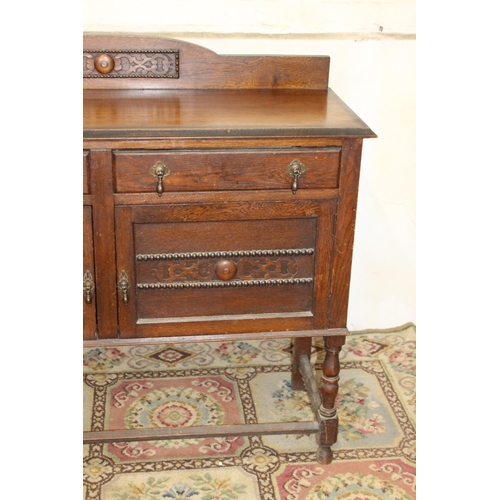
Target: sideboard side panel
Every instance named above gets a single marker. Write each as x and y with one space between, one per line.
344 231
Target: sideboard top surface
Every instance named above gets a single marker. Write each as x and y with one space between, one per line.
156 87
115 114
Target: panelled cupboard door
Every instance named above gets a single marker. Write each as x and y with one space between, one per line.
217 268
89 309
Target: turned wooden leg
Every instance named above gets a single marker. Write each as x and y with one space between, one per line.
301 346
327 413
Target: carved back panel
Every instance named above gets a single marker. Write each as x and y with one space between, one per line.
125 62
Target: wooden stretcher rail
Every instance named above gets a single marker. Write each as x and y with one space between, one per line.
310 383
153 434
127 435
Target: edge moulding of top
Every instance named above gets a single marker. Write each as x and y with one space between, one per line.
202 68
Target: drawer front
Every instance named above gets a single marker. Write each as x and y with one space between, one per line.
230 269
226 170
86 189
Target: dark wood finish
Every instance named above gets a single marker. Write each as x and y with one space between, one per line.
231 196
225 170
178 234
301 347
121 114
310 383
344 233
86 187
153 434
220 198
89 308
327 413
201 68
104 243
207 143
220 337
226 269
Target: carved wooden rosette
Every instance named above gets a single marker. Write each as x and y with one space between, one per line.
131 64
220 269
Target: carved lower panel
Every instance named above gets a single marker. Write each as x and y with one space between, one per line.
131 64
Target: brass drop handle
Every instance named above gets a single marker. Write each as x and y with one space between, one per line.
123 285
295 169
160 171
88 287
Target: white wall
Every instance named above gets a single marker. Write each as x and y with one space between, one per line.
251 16
372 50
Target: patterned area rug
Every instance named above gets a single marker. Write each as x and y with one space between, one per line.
233 382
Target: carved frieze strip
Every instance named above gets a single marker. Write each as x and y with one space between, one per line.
131 64
241 268
229 254
224 284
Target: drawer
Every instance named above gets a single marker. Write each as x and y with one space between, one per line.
86 189
217 170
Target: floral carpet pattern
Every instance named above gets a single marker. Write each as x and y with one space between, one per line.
224 383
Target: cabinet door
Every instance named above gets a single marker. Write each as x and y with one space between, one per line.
89 309
223 267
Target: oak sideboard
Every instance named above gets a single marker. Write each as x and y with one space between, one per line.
219 199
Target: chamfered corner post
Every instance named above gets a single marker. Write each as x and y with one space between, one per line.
327 413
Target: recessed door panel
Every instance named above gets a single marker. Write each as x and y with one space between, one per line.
220 268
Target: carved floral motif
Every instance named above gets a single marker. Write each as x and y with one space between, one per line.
134 64
204 270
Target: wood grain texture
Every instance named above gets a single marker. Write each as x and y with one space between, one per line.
184 229
203 305
201 68
169 142
120 114
104 242
215 170
340 278
223 227
230 196
86 166
89 310
226 130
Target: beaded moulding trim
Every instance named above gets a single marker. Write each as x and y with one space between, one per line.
224 284
236 253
